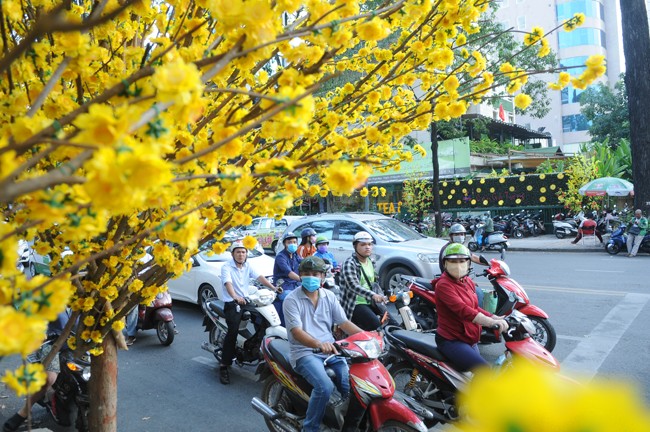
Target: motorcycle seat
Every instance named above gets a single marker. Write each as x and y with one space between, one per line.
424 343
280 350
424 282
217 307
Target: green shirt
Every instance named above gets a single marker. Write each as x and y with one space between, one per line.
370 272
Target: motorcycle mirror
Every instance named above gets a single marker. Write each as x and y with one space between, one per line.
483 260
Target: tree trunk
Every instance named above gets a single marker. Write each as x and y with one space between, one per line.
636 46
435 187
103 388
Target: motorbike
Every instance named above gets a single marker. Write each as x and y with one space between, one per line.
285 394
158 315
70 389
509 296
618 241
425 374
496 240
259 319
564 226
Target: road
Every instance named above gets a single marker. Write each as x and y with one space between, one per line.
599 306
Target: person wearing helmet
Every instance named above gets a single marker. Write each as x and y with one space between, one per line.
321 251
285 270
457 234
310 314
236 275
459 316
487 230
361 294
306 247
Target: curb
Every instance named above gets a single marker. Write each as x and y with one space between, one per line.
516 249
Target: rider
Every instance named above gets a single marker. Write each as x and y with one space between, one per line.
310 313
236 275
321 251
457 235
307 247
487 230
361 293
285 270
54 330
459 316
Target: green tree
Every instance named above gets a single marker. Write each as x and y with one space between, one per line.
611 163
606 109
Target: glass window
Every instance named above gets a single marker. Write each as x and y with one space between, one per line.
591 9
521 22
581 36
392 230
347 230
571 62
575 123
324 227
570 95
267 223
254 224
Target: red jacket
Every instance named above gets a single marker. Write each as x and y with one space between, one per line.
457 306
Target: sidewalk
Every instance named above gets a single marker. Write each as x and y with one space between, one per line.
550 243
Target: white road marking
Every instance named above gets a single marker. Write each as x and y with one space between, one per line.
574 290
599 271
592 351
571 338
206 361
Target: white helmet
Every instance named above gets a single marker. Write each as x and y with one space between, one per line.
362 236
238 244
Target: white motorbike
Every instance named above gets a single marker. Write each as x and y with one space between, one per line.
495 240
563 227
259 319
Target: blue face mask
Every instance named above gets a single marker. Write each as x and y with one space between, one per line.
310 283
292 248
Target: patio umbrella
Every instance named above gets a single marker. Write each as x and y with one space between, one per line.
610 186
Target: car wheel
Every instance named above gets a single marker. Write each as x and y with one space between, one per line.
392 279
205 292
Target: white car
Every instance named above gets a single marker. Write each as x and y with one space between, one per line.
204 278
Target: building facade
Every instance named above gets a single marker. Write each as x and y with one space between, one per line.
600 34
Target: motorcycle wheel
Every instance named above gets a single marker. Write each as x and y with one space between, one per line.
424 315
165 332
518 233
473 246
402 375
545 334
560 234
275 396
216 338
396 426
612 248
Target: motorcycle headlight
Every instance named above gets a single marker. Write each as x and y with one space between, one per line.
428 258
406 298
372 348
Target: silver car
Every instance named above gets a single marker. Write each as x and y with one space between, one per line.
399 250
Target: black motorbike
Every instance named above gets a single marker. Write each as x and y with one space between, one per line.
70 399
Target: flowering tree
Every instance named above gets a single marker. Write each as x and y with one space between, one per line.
130 126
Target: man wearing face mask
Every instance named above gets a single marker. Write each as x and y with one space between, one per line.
310 314
285 270
459 316
321 251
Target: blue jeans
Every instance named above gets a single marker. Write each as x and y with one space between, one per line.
463 355
132 322
311 368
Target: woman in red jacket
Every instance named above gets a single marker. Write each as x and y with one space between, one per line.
459 316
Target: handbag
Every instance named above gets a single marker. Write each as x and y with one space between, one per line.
634 230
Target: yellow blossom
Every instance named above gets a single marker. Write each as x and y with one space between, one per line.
522 101
27 379
249 242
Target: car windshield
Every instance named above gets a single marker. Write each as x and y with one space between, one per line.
209 256
392 230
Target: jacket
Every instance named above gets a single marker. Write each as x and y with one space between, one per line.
351 284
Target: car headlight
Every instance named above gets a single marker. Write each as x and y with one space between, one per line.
372 348
429 258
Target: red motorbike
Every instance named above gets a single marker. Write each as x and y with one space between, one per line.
285 394
422 372
158 315
509 296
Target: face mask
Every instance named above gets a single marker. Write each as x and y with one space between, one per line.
457 270
322 248
292 248
310 283
458 239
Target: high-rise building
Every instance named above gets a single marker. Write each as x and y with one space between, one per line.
600 34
